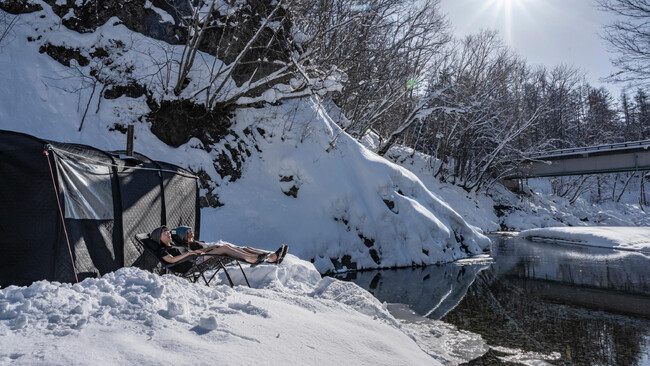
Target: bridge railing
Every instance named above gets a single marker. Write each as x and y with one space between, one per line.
622 146
609 158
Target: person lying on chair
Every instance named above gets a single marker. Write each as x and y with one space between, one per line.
171 253
185 237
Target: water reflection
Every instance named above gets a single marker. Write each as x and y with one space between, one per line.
600 268
430 291
587 305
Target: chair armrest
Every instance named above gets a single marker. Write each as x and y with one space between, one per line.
191 257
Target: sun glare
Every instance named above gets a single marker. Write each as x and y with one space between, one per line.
505 16
506 2
504 10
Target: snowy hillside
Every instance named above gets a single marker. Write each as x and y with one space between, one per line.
537 207
278 175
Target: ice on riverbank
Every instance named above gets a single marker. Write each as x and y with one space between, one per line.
290 316
616 237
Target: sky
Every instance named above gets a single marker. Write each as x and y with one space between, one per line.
548 32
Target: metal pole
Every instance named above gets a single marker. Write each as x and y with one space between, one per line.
129 140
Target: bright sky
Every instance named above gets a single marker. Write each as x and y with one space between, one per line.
547 32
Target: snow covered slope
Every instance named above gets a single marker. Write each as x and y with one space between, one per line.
348 201
475 208
338 204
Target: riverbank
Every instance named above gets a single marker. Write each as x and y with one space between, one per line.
499 209
636 239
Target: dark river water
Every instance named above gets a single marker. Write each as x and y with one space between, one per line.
532 303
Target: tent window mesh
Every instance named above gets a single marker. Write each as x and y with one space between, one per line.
86 189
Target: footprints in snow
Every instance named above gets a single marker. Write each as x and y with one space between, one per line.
178 311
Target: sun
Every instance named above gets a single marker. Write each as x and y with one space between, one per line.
506 2
503 15
505 10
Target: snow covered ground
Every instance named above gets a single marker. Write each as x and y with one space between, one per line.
615 237
290 317
539 208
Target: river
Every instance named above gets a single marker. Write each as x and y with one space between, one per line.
527 303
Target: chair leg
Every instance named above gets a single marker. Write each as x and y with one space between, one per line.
242 272
227 274
207 283
215 273
195 277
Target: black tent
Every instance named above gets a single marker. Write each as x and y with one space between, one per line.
104 198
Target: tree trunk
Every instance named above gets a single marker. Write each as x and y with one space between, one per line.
618 199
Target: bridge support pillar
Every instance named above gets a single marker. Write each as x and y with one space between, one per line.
514 185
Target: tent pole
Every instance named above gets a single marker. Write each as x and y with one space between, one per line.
56 191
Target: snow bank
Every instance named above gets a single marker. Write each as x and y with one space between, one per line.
585 266
476 209
349 205
290 316
622 238
539 207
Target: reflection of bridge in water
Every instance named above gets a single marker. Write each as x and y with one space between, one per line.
612 158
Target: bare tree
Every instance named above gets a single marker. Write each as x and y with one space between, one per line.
481 112
7 22
572 187
197 26
629 37
255 57
384 48
485 109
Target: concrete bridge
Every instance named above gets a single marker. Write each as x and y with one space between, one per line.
611 158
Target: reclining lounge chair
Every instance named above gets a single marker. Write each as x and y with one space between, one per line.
197 269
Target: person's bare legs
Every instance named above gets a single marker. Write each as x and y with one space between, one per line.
247 254
250 250
232 252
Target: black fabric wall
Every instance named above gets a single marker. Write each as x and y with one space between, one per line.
142 208
95 244
181 199
142 195
28 211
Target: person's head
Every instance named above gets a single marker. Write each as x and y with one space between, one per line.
162 235
185 233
